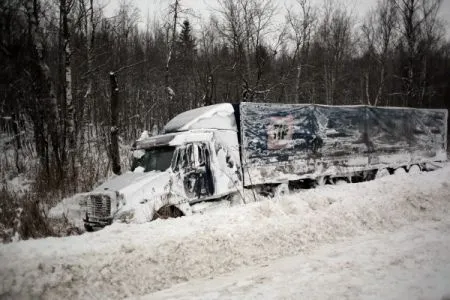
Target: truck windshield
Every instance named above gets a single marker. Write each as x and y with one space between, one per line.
155 159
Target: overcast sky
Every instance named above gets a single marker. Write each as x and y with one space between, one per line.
203 8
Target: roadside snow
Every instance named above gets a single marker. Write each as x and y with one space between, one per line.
71 209
411 263
137 259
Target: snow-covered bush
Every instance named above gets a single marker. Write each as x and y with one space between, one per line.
29 192
23 216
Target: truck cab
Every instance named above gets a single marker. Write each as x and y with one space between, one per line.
195 160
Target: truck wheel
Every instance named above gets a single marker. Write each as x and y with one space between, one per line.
88 227
339 181
400 171
414 169
382 173
168 211
281 190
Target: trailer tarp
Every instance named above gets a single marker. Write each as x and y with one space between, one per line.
283 142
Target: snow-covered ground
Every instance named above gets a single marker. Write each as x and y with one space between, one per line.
388 238
411 263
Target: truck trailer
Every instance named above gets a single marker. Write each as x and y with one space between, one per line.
211 154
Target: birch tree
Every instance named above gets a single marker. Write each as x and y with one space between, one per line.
171 48
66 53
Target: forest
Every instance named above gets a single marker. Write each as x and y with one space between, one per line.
77 86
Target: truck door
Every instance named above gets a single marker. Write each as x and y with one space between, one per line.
192 172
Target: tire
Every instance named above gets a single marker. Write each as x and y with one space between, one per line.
400 171
382 173
414 169
168 211
340 181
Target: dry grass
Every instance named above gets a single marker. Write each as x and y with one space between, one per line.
22 217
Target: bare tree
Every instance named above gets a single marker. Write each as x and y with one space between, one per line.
334 37
65 7
43 84
208 43
379 34
171 43
301 27
418 18
245 24
88 25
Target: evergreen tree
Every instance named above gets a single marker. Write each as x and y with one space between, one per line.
186 44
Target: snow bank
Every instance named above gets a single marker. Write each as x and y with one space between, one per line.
137 259
71 209
411 263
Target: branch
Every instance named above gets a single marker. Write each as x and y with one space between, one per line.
129 66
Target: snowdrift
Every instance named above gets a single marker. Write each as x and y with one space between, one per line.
136 259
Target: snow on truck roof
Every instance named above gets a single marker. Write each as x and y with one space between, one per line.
217 116
173 139
198 122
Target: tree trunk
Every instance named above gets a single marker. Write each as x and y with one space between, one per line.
381 87
169 91
209 90
114 147
87 110
44 86
68 96
297 83
18 144
366 79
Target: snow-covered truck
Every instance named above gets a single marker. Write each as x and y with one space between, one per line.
210 155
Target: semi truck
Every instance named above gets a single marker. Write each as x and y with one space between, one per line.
210 155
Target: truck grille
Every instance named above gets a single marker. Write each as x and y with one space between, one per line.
99 206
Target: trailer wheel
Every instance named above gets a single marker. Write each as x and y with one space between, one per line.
382 173
400 171
414 169
168 211
339 181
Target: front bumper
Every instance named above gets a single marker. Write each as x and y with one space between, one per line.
96 222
